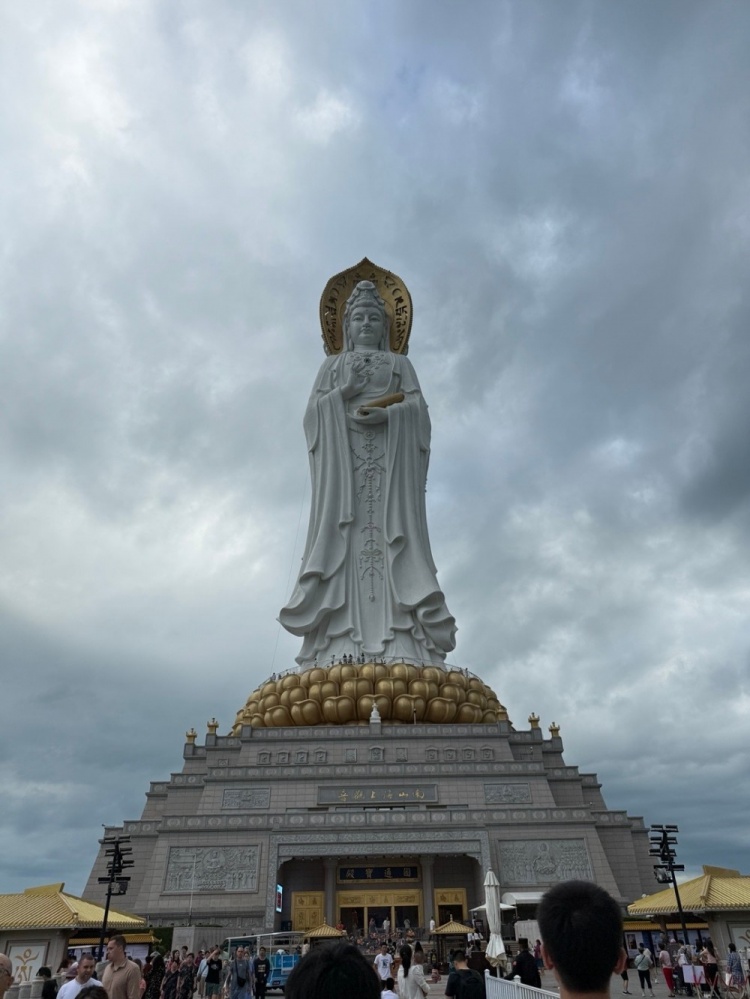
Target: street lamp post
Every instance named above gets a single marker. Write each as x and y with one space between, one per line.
663 841
119 859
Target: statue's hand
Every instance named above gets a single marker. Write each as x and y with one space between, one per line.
365 415
355 383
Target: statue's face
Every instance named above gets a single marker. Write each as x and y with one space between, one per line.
367 325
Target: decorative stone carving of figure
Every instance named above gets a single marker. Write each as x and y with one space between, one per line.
368 583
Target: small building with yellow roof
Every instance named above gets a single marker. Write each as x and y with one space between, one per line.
720 896
38 925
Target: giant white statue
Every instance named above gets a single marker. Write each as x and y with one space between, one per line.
368 584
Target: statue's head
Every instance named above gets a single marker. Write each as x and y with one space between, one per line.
365 298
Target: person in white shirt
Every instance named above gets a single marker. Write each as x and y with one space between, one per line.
411 983
383 962
85 976
201 975
665 963
388 992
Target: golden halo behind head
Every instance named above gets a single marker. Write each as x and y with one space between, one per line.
392 290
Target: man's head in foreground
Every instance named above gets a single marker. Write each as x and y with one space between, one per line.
338 972
581 927
6 974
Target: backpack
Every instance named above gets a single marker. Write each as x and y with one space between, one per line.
472 984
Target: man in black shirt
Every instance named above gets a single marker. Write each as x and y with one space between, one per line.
464 982
261 971
213 974
525 966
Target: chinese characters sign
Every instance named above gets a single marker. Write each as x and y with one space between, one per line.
394 872
401 795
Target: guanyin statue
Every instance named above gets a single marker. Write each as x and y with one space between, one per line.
368 584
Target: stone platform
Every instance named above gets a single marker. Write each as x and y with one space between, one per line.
373 819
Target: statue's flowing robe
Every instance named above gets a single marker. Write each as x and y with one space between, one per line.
368 583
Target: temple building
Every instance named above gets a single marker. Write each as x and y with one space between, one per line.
363 791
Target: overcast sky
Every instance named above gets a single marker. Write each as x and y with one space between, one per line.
565 189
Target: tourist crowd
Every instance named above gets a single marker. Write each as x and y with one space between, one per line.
400 970
685 969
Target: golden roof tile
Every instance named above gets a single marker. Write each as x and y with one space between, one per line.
718 888
324 930
50 907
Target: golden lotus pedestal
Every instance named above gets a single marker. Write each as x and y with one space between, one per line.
346 693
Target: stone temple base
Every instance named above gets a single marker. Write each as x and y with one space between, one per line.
367 821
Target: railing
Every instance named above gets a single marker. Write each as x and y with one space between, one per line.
501 988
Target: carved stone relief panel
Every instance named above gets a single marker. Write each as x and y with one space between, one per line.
432 755
468 754
540 862
511 794
246 797
212 869
300 756
488 753
264 758
320 756
376 754
401 755
282 758
350 756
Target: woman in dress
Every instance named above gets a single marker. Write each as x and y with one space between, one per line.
734 966
368 584
411 981
155 978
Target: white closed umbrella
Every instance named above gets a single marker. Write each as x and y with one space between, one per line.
495 952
